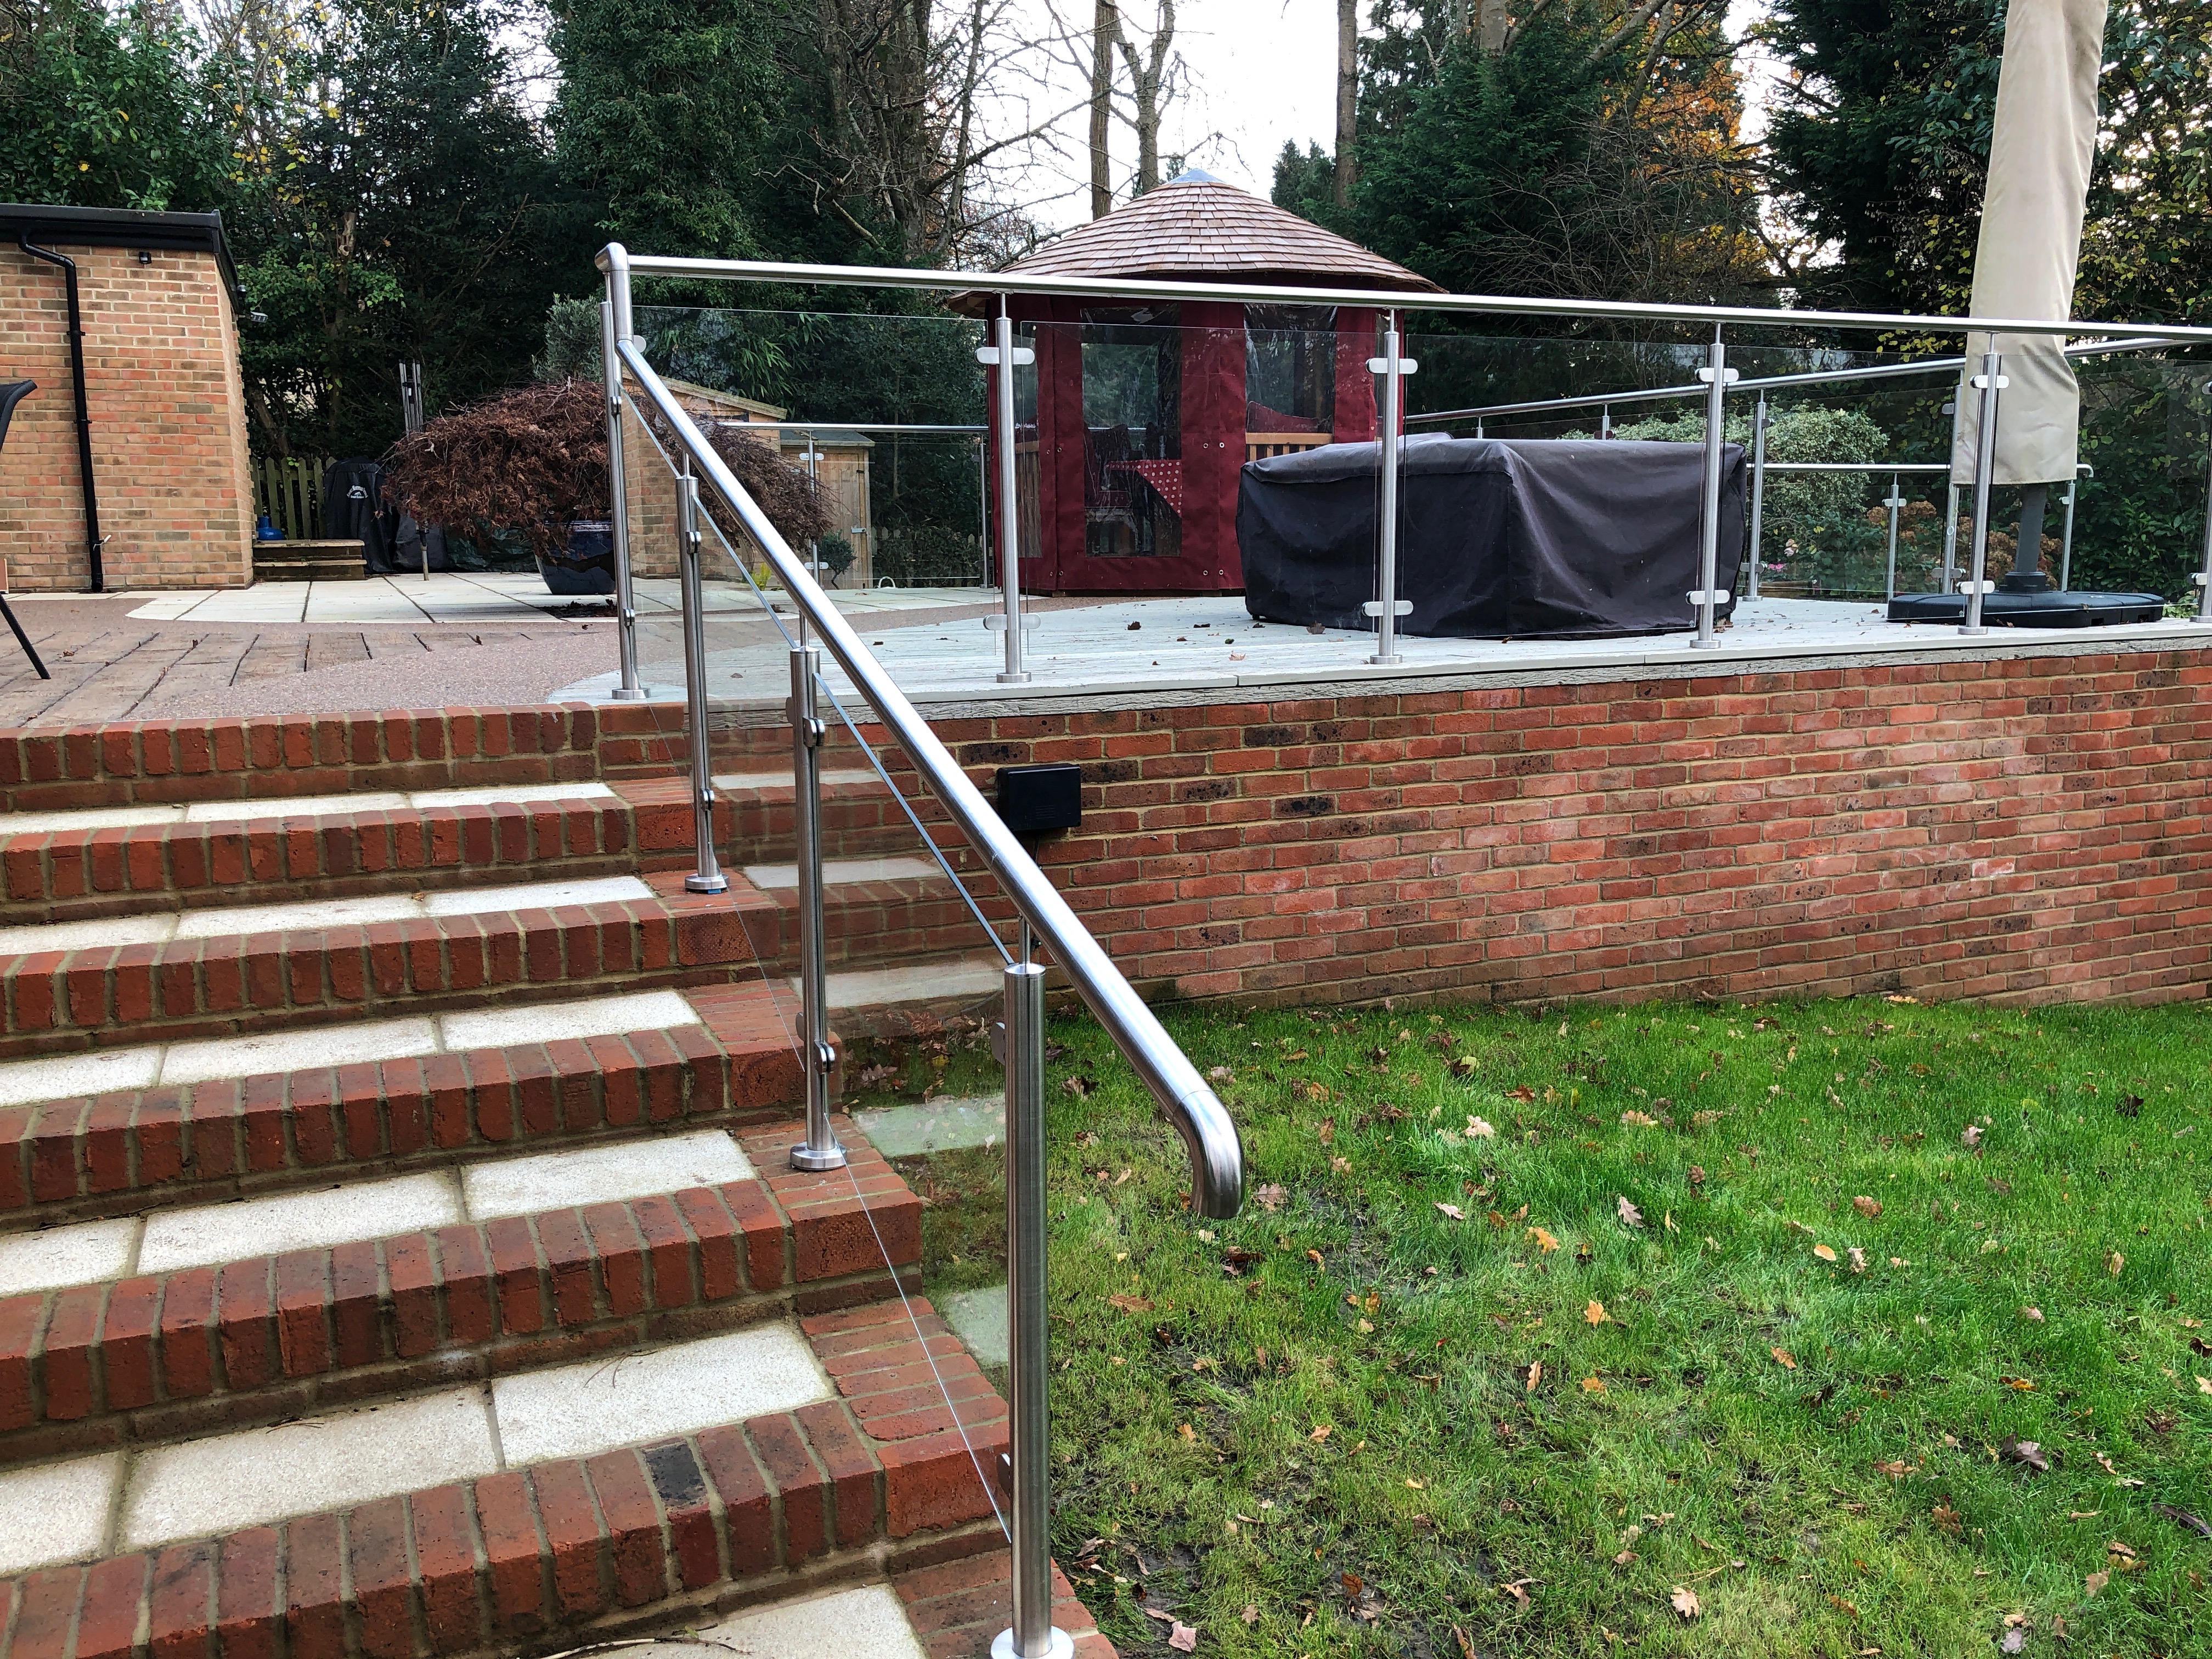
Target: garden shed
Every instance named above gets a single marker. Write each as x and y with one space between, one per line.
127 467
1139 415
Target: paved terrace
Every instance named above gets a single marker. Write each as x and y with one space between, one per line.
1196 650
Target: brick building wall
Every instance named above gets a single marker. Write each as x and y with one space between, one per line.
2029 827
168 423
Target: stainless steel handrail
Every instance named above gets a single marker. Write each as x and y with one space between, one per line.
1764 383
1209 1136
1114 288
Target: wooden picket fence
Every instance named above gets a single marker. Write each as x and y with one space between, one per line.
289 489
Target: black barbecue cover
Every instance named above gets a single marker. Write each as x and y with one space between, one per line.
1499 538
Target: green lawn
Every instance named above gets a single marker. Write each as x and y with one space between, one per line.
1534 1321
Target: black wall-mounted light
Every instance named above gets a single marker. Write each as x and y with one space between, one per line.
1035 798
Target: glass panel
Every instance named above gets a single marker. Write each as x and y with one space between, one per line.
1133 433
1290 376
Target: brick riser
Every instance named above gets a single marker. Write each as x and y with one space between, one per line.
873 924
565 1550
117 1153
58 1001
72 875
270 1337
754 824
131 762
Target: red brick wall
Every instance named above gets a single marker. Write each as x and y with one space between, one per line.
168 423
2030 828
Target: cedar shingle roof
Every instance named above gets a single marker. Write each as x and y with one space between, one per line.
1195 228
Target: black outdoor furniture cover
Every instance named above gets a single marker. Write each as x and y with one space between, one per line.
1499 538
353 510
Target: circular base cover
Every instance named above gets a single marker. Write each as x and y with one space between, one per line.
1061 1646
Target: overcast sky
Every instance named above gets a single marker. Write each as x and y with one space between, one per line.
1260 74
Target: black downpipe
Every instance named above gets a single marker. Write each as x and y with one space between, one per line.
92 537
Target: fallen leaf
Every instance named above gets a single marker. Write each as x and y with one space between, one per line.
1623 1558
1971 1136
1222 1075
1314 1256
1826 1252
2015 1640
1545 1242
1480 1130
1848 1609
1322 1432
1895 1471
1188 1432
1079 1086
1947 1519
1592 1385
1535 1373
1641 1120
1453 1211
1684 1601
2204 1385
1251 1614
2196 1523
1870 1208
1783 1358
2095 1582
1629 1214
2113 1263
1183 1638
1270 1197
2028 1452
1414 1484
1518 1591
2035 1314
1352 1583
1858 1259
1129 1303
1595 1313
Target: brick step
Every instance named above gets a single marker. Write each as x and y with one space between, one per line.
130 1149
57 870
177 1331
108 996
753 815
875 912
609 1499
124 762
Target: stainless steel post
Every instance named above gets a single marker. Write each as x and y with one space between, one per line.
1604 421
1895 501
1385 607
707 876
2066 540
1990 382
1032 1635
1758 486
614 312
1002 354
1716 375
2204 577
820 1150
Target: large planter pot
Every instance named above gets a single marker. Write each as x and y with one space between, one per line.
585 566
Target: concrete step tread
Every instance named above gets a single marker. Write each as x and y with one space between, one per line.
86 821
260 1310
160 926
628 1492
105 1153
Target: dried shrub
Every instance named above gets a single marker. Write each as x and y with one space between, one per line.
791 501
529 460
533 459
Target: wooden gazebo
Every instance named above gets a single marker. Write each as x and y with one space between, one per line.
1139 415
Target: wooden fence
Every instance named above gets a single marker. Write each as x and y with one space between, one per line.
289 489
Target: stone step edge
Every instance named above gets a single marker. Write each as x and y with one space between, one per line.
518 1559
55 1002
187 1352
76 875
115 1153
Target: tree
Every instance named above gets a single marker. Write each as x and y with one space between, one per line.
1106 25
1346 171
106 109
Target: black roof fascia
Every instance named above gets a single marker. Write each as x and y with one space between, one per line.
81 226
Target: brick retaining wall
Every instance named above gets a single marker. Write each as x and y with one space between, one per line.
2022 827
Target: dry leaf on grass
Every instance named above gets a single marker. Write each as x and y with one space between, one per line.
1785 1358
1858 1259
1684 1601
2114 1262
1947 1519
1592 1385
2028 1453
1826 1252
1183 1638
1535 1373
1595 1313
2095 1582
2034 1314
1868 1207
1453 1211
1480 1129
1640 1120
1270 1196
1545 1242
1971 1135
1629 1214
1129 1303
1322 1432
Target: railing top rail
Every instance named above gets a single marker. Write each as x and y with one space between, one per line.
1858 467
615 256
1208 1134
1766 383
853 426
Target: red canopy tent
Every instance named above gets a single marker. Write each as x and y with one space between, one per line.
1142 414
